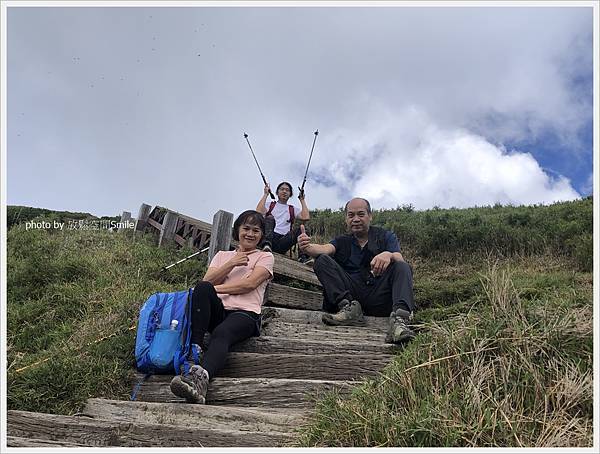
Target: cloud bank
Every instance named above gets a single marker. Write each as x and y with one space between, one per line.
407 159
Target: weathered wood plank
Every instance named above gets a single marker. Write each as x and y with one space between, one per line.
196 416
143 215
295 298
285 266
168 228
202 225
313 317
125 218
179 240
153 223
21 442
268 344
247 392
323 333
95 432
220 236
304 366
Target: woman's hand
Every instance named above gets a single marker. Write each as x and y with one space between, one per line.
240 259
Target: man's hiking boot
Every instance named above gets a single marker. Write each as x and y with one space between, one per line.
398 331
350 314
191 386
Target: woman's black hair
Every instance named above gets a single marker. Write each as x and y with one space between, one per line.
251 217
288 185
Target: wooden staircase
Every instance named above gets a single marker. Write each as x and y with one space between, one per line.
263 395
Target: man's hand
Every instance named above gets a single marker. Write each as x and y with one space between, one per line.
267 189
240 258
380 263
301 194
303 239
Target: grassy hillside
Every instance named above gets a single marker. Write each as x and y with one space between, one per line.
503 356
73 298
16 214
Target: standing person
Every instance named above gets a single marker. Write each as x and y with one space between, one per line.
227 303
280 234
363 272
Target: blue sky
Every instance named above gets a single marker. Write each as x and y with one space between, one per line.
441 106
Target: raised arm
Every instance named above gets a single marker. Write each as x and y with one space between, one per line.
312 249
261 203
304 214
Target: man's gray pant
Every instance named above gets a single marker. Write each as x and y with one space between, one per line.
390 291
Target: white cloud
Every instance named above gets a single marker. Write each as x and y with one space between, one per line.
405 158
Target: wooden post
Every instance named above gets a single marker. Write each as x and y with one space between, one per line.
142 218
167 233
220 235
125 218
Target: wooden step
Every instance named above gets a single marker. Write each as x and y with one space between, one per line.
197 416
299 345
323 333
246 392
313 317
284 266
22 442
295 298
97 432
304 366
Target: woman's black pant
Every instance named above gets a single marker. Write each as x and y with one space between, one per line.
226 327
280 243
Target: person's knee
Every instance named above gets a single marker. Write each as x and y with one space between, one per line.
322 261
401 268
204 286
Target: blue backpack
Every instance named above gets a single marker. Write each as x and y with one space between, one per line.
162 346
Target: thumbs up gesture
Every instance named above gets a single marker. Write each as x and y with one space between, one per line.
303 239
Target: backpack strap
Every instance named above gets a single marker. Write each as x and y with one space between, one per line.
138 385
292 215
271 206
181 356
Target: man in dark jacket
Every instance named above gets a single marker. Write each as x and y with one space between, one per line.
363 272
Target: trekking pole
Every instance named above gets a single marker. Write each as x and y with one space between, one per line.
261 174
307 165
183 260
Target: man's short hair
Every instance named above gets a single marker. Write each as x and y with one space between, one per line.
250 217
360 198
288 185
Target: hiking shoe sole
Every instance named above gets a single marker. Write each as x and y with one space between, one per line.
404 338
332 322
183 389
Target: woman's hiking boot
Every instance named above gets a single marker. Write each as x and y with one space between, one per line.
350 314
191 386
398 331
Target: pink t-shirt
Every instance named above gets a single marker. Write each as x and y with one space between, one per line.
251 301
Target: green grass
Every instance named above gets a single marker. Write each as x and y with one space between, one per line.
503 370
73 299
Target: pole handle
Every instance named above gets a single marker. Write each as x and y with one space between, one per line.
265 182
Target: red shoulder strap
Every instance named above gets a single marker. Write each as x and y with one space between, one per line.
271 206
292 216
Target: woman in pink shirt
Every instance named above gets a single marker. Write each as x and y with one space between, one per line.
227 303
